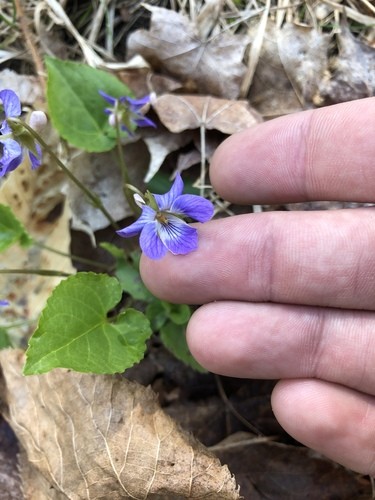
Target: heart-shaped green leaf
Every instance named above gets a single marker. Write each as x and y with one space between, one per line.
75 106
74 331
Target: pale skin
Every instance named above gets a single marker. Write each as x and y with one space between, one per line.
291 295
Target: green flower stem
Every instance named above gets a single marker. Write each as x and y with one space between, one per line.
124 172
96 201
39 272
83 260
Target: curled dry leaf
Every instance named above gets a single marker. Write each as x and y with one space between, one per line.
187 160
105 437
183 112
160 144
173 45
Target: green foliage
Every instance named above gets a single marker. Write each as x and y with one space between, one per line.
4 339
127 272
179 313
74 331
174 338
168 319
159 311
171 320
161 183
157 314
11 230
76 108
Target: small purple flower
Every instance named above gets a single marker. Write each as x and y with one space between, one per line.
4 303
161 225
12 144
128 112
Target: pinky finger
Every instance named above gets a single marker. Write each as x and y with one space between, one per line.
332 419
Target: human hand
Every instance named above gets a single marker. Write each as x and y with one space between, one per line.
291 295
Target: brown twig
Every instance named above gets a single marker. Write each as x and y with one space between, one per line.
30 43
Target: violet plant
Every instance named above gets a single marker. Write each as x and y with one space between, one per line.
75 330
161 225
127 112
14 138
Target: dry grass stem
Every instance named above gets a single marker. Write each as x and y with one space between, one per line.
98 21
30 41
255 49
351 13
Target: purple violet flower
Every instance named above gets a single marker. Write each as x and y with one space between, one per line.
161 225
128 112
4 303
12 144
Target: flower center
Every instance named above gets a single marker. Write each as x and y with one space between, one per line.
162 218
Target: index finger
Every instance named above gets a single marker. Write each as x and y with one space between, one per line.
324 154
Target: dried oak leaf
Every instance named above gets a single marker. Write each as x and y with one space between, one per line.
106 437
271 91
352 74
183 112
303 52
174 45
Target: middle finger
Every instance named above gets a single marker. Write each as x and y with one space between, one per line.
315 258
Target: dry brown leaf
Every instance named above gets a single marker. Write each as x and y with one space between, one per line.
285 472
271 92
141 82
183 112
208 16
36 198
34 485
187 160
195 155
352 74
173 45
100 172
106 437
304 54
160 144
27 87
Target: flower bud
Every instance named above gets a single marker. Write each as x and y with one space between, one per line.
139 200
38 120
153 97
112 120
